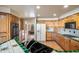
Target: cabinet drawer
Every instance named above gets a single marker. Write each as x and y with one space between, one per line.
49 33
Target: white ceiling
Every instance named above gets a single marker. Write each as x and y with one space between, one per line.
44 11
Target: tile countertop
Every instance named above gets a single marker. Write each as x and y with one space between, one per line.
75 38
10 47
49 31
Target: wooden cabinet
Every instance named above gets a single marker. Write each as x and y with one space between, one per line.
74 45
59 39
65 43
5 26
3 37
49 36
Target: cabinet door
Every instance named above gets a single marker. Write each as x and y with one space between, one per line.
3 29
74 45
49 36
67 44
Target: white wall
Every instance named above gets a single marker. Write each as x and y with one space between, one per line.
29 22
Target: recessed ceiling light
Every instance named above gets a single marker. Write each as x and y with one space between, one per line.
38 7
54 14
65 6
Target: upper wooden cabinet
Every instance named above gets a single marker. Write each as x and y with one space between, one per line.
3 27
3 23
72 18
61 22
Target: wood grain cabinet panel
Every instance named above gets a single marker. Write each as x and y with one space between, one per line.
65 43
5 26
74 45
49 36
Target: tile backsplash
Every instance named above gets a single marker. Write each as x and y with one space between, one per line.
72 32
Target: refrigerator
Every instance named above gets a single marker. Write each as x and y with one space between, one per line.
41 32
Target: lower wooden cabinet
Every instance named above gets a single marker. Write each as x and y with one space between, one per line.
74 45
66 43
48 36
